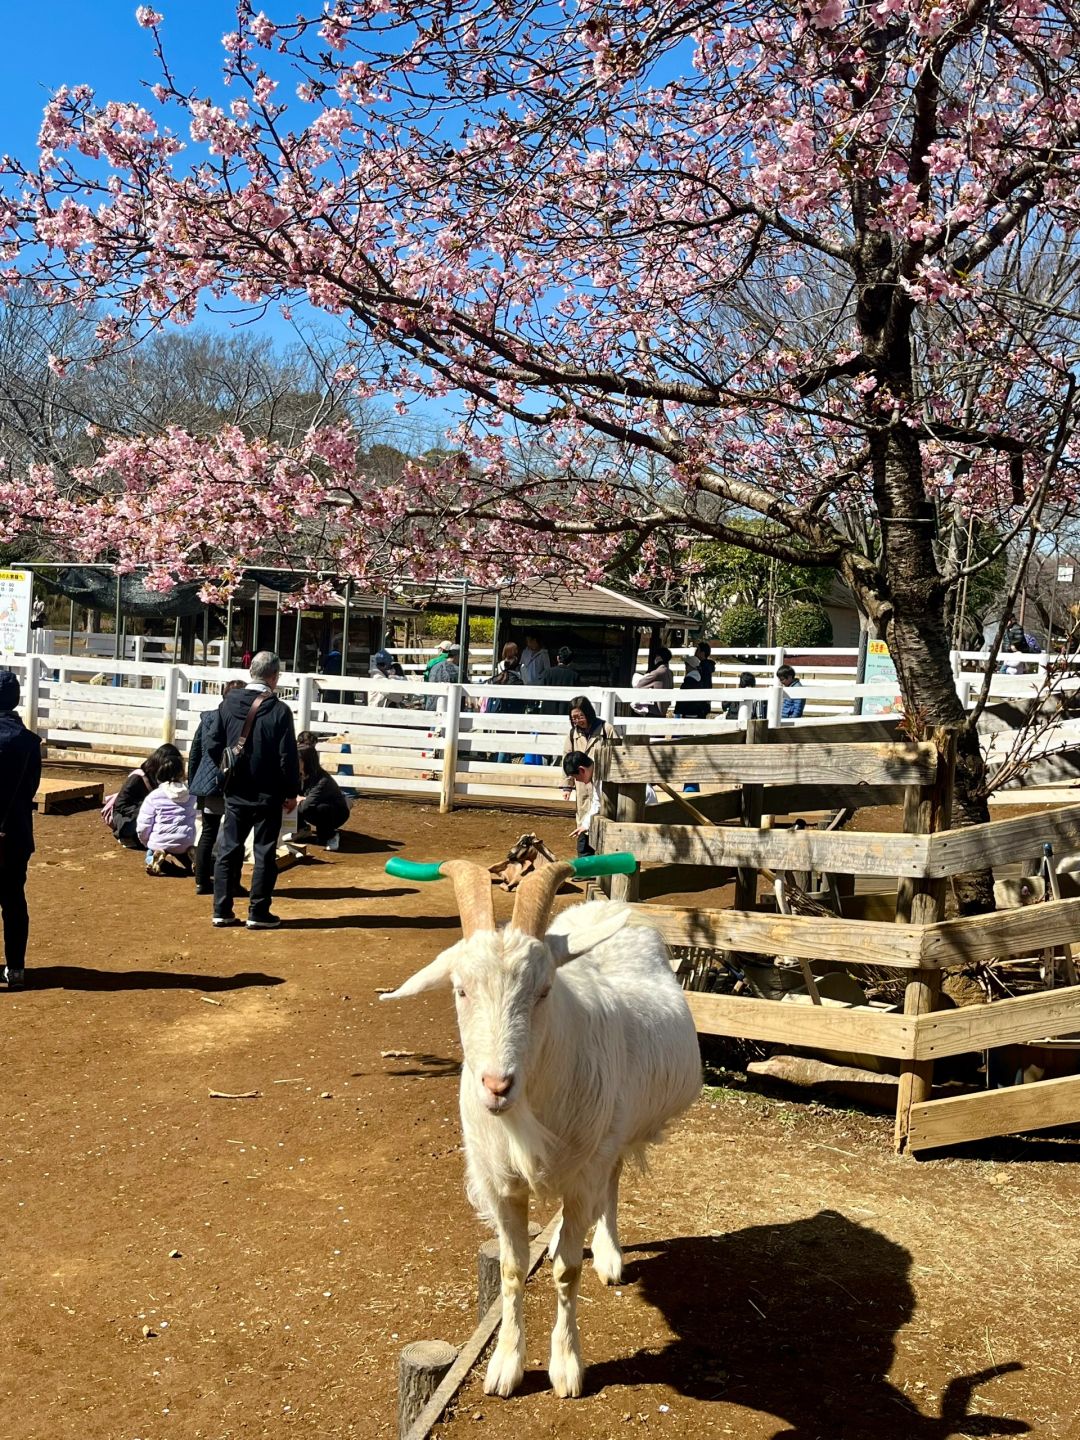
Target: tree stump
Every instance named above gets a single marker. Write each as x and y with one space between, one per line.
421 1368
489 1272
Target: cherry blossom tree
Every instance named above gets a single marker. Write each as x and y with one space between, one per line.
806 262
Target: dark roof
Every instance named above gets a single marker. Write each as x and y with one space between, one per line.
556 598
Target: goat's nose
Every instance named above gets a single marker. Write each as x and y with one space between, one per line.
497 1084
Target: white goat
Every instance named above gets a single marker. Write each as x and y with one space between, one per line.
579 1047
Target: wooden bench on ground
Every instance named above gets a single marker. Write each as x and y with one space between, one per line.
54 791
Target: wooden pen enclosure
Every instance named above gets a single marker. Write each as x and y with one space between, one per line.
778 774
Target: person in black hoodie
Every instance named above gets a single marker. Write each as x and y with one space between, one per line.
266 781
20 773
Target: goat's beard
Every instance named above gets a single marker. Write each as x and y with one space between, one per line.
529 1148
529 1145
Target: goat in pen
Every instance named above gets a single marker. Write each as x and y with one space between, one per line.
579 1047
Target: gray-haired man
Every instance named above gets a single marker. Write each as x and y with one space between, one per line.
266 782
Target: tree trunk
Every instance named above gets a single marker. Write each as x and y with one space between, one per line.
917 634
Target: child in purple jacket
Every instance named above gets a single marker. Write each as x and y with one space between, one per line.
166 823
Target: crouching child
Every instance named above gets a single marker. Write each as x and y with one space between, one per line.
166 823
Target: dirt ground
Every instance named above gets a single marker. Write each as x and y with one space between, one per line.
177 1266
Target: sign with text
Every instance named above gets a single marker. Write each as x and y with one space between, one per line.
879 669
16 591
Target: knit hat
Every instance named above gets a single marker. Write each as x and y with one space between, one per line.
9 690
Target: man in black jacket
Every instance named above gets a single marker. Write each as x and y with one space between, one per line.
266 781
20 772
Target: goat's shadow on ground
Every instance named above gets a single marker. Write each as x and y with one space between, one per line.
796 1321
82 977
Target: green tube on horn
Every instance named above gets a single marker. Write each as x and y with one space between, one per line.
402 869
590 867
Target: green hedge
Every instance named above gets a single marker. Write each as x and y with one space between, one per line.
739 627
803 624
444 627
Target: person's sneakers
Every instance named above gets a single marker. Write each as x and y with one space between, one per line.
263 922
334 843
204 889
16 979
223 922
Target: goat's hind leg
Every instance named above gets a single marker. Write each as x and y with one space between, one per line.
507 1364
566 1370
606 1251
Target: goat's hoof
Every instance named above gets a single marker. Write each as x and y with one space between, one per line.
609 1268
505 1371
567 1375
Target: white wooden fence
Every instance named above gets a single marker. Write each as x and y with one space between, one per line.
104 711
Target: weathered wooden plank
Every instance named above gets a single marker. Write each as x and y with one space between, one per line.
1005 933
952 852
806 937
1004 1022
843 852
963 1118
56 790
821 1027
766 764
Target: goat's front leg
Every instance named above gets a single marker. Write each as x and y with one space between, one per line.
566 1370
507 1364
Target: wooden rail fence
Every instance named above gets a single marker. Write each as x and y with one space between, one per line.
919 948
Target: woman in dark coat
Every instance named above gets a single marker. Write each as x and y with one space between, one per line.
132 793
324 808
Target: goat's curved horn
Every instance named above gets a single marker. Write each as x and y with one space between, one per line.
535 897
472 887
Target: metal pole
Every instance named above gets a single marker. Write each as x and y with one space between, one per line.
116 623
277 622
382 623
176 641
345 624
296 641
71 628
860 667
226 648
255 621
463 630
495 631
205 632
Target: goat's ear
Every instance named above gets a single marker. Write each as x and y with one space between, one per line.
578 929
427 978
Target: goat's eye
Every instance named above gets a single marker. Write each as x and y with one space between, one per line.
543 994
459 991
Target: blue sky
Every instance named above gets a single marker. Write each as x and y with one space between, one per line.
99 43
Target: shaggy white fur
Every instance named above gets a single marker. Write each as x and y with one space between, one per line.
579 1048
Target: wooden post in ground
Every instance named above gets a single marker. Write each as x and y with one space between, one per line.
629 810
169 698
421 1367
451 718
489 1273
609 803
927 808
746 878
